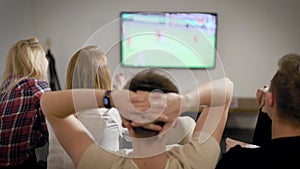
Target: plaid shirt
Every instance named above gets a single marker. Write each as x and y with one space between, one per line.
22 124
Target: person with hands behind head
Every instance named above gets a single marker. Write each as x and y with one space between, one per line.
182 130
139 109
23 126
281 103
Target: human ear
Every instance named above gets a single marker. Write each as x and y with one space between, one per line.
269 99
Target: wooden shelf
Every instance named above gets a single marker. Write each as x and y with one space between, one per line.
242 105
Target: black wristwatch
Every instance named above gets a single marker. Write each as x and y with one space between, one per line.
106 99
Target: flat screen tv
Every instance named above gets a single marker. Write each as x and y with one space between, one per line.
168 39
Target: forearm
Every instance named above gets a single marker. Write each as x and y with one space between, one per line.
213 117
262 131
214 93
63 103
66 102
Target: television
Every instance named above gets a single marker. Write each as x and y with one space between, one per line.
168 39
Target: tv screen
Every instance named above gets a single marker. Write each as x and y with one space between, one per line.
168 39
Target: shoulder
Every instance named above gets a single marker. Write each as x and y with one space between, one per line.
35 84
243 156
33 87
195 153
96 157
199 142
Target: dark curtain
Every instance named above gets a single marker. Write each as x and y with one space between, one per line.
53 78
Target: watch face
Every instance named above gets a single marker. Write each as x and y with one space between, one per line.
106 101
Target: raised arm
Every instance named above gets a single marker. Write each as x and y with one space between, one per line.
59 107
215 96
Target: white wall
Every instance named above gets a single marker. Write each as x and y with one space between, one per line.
252 35
16 22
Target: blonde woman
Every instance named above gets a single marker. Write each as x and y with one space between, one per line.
22 126
88 68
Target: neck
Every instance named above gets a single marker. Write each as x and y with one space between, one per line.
157 162
149 153
148 147
282 129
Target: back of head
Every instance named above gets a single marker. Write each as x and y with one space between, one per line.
286 87
151 80
26 58
88 68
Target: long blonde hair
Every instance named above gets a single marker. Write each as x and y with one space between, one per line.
26 58
88 68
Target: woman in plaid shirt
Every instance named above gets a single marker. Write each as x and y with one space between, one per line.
22 123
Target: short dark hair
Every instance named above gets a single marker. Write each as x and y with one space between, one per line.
285 85
151 80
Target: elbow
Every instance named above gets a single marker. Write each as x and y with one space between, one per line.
229 89
222 92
